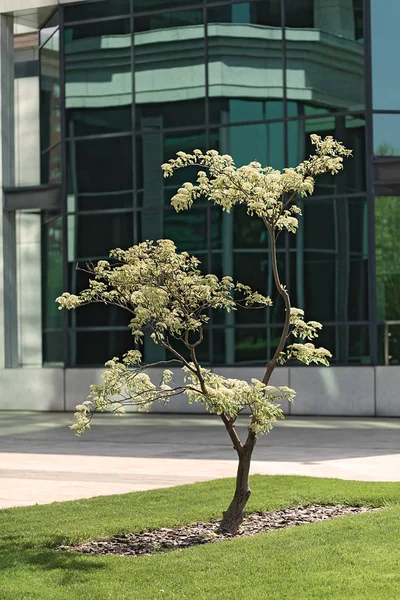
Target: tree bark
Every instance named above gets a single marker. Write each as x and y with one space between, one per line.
233 517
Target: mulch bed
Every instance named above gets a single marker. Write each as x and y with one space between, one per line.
161 540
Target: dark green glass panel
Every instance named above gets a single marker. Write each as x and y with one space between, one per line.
299 13
149 5
99 121
94 348
100 165
254 269
348 344
155 148
225 110
93 315
83 11
251 345
52 287
52 268
170 115
387 227
257 13
263 143
349 130
187 229
53 347
249 232
329 260
173 19
93 236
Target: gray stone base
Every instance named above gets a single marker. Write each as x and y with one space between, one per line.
334 391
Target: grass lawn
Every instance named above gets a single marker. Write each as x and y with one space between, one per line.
355 557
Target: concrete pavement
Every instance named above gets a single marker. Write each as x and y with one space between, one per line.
41 460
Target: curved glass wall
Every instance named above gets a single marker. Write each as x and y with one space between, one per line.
252 79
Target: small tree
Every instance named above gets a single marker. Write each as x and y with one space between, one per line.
166 294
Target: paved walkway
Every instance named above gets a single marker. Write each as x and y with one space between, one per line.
42 461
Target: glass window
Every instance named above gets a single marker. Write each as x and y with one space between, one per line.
241 110
385 18
386 135
50 111
245 52
170 69
299 13
188 229
351 131
329 260
349 344
101 170
83 11
50 166
93 236
98 77
387 227
251 345
262 142
52 285
94 348
332 74
140 6
258 13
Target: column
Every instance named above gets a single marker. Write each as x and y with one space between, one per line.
8 279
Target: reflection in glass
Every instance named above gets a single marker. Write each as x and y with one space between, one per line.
50 113
387 227
99 173
351 131
94 348
169 68
93 236
258 13
245 51
386 135
98 77
329 263
384 46
52 286
332 73
50 166
83 11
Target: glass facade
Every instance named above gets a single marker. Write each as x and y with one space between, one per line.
125 84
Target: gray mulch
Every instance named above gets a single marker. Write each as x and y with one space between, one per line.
160 540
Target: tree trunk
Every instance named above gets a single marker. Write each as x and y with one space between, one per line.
233 517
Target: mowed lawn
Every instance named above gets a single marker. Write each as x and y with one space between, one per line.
355 557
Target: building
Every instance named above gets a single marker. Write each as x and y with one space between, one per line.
95 95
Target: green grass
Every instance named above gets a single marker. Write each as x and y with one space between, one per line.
355 557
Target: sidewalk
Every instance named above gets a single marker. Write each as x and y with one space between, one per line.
42 461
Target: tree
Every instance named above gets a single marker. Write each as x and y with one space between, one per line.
165 293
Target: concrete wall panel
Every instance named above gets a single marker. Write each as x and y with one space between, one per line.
340 391
388 391
32 389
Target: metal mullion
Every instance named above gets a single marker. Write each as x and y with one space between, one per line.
372 303
99 20
172 9
133 126
50 36
79 138
64 187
